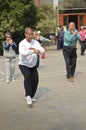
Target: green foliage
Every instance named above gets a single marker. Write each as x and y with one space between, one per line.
15 15
46 18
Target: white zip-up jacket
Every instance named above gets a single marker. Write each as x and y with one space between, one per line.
27 57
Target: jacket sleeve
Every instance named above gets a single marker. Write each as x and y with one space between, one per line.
14 46
40 48
6 46
43 39
78 37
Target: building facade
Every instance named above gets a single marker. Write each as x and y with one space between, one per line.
78 16
54 3
66 15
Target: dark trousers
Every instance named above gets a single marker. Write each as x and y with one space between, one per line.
83 46
60 44
38 61
70 57
30 80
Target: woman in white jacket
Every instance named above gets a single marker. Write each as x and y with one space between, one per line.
28 51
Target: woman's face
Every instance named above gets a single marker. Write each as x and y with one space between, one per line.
8 37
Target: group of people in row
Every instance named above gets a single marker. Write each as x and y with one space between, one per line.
29 50
60 38
67 41
9 52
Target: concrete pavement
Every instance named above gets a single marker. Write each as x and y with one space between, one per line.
61 105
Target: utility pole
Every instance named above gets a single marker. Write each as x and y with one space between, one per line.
57 18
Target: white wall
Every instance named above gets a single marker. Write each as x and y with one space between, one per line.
55 3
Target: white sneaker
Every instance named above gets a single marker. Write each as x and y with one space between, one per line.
7 80
33 99
29 100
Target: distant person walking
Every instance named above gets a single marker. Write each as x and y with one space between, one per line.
28 51
83 40
60 38
38 39
69 50
9 52
42 41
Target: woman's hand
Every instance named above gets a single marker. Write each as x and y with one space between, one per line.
10 41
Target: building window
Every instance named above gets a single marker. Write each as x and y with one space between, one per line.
81 20
65 21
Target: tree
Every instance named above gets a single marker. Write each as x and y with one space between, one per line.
15 16
46 18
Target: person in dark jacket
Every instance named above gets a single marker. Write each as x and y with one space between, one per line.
60 38
9 53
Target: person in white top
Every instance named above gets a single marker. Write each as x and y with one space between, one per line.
28 51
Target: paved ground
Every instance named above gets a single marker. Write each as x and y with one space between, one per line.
61 105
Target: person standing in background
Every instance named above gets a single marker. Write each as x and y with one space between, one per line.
28 51
60 38
83 40
38 56
71 37
9 52
42 41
